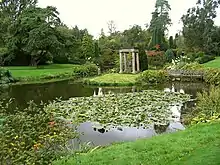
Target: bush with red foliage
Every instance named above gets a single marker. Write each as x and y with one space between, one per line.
156 58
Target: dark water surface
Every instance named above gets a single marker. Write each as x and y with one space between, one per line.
66 89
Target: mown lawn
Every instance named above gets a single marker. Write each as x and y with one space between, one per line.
113 79
199 145
26 73
213 64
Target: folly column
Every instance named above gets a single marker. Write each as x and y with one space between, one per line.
125 63
121 63
138 62
133 63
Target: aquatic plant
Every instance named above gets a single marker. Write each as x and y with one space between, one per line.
131 109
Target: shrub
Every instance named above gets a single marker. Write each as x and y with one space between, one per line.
152 77
205 59
200 54
212 76
156 58
179 52
5 76
193 56
208 106
86 70
169 55
33 136
192 66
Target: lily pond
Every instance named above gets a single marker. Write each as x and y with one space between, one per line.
108 114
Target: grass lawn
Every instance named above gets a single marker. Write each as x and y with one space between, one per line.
113 80
199 145
53 71
213 64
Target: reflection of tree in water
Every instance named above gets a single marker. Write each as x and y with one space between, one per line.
101 130
160 128
4 93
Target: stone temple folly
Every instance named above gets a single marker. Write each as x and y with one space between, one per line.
124 60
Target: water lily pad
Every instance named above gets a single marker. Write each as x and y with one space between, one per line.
128 109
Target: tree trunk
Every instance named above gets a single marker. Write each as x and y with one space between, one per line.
34 61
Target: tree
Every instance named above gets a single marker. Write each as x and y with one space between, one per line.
13 8
112 28
159 22
96 53
198 25
5 56
35 34
10 10
175 40
88 52
70 45
171 42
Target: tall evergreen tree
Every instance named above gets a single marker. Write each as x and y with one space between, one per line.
159 22
88 51
171 43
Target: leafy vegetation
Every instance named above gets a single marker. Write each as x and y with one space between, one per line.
207 108
197 145
205 59
199 30
212 76
131 109
5 76
34 135
113 80
169 55
159 24
156 59
152 77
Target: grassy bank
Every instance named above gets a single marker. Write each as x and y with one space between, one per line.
213 64
199 145
113 80
53 72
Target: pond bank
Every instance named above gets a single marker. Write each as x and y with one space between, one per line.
51 73
113 79
197 145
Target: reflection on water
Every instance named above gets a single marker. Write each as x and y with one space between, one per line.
99 136
92 132
66 89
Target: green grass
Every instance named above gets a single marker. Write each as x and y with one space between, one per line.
47 72
114 79
199 145
213 64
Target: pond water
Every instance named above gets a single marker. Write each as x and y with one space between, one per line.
67 89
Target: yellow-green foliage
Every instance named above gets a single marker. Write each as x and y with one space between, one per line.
208 106
212 76
202 118
193 66
113 79
152 77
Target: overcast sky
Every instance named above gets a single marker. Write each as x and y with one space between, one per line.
94 14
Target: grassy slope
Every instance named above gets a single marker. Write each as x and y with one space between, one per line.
114 79
213 64
199 145
43 72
